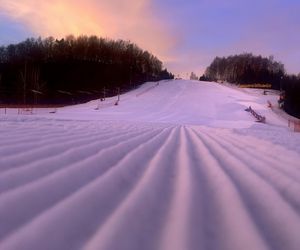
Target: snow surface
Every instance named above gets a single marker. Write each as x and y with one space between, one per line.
176 165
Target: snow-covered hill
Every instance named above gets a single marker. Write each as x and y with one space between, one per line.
176 165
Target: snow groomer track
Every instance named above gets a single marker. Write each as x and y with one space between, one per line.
182 166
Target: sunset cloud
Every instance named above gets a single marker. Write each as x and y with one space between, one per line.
119 19
56 18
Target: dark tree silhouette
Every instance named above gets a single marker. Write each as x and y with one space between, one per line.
73 69
291 86
244 69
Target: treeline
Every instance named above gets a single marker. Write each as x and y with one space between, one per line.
249 69
73 69
291 87
246 68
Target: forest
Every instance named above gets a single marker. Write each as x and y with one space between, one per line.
73 69
250 69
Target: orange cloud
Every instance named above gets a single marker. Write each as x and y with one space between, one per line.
131 20
57 18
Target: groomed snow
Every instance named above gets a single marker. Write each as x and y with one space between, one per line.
177 165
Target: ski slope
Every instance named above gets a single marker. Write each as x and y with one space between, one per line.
176 165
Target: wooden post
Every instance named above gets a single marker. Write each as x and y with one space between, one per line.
24 83
117 102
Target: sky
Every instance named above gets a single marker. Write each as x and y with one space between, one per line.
186 35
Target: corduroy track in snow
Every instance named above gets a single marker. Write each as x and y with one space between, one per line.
124 185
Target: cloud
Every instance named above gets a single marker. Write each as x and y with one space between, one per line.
57 18
119 19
